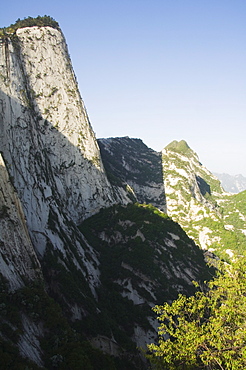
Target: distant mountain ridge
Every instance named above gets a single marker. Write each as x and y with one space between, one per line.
232 183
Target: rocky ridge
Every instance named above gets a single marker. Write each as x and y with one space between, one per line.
45 135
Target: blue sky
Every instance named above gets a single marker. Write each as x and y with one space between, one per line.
158 70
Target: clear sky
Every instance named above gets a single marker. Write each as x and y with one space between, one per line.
159 70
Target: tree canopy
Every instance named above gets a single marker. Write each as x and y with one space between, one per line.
207 330
39 21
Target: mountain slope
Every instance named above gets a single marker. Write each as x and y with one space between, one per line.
49 147
54 163
45 135
145 258
182 187
197 201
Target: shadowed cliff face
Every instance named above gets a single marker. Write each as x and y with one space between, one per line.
47 190
73 189
51 153
129 162
18 259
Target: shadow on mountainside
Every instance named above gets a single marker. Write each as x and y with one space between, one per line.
129 161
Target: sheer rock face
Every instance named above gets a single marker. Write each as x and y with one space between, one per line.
17 258
45 135
130 163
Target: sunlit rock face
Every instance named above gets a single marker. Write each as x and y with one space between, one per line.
187 183
45 134
52 175
195 197
189 188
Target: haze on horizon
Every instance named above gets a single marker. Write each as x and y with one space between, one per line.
158 70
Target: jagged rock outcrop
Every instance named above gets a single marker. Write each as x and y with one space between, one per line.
131 164
188 184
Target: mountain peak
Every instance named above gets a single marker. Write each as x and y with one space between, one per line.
179 146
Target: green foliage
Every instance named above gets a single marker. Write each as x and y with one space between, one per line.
207 330
234 210
139 252
180 147
223 224
30 22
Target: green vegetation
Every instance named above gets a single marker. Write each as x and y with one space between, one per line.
180 147
207 330
234 210
29 22
199 204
